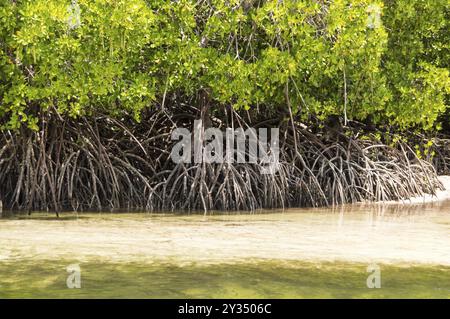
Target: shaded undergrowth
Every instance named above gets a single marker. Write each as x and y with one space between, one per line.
101 162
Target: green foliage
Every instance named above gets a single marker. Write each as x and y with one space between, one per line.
383 61
417 60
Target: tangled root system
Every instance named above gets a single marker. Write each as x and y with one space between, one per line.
105 163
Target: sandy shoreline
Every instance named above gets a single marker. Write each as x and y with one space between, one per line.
445 194
441 195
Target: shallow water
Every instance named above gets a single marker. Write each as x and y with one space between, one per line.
292 253
250 279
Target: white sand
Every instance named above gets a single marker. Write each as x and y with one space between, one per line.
445 180
440 195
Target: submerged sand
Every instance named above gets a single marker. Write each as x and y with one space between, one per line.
381 233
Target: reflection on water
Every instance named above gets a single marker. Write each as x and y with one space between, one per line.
321 252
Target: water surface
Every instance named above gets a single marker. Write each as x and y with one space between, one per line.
292 253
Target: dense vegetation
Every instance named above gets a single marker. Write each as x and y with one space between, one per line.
88 100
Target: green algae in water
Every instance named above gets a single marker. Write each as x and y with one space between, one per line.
253 279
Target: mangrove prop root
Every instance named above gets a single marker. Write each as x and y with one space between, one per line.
103 163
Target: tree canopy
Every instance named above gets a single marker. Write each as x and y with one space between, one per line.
383 61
